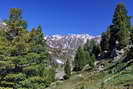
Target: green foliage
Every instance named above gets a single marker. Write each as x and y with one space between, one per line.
118 35
15 23
38 82
102 85
24 58
131 35
86 55
122 24
15 77
105 41
15 18
93 59
33 83
79 60
92 47
92 50
67 69
130 53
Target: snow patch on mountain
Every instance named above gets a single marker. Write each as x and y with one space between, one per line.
71 41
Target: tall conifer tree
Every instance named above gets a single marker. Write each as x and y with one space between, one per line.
24 58
121 25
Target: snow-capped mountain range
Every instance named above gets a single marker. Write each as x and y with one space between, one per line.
71 41
64 46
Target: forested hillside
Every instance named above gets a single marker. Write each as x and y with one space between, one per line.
27 58
108 65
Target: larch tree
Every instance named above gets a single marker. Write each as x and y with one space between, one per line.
121 25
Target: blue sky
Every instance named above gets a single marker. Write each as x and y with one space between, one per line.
66 16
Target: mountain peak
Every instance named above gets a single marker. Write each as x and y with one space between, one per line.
70 41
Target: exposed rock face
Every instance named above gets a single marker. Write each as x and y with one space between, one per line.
69 41
64 46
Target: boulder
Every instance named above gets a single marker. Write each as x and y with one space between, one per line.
59 74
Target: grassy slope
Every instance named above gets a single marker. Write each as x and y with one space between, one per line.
101 80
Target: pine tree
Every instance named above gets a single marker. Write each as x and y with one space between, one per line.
79 60
24 58
113 37
131 35
121 25
15 18
15 23
67 69
119 33
92 47
90 58
86 55
92 51
105 39
93 59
